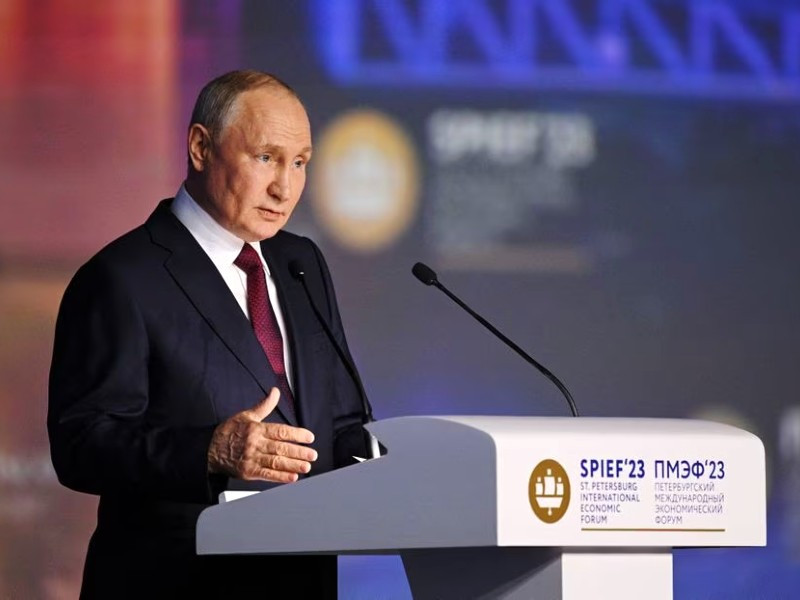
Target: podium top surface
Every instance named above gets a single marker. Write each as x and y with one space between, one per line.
500 426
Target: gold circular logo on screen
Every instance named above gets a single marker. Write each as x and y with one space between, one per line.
549 491
365 181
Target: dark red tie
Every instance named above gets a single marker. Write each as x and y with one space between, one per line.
262 317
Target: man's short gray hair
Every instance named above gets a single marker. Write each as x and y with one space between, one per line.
214 103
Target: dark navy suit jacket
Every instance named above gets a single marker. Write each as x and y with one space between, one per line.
151 353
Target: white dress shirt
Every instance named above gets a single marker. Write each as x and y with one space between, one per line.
222 248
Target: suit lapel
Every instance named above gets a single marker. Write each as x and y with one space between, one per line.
197 276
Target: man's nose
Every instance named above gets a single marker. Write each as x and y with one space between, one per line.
280 187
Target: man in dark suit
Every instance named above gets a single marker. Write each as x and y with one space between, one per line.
188 360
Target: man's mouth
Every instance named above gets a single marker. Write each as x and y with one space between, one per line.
269 213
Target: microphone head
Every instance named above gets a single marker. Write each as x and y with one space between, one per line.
424 273
296 269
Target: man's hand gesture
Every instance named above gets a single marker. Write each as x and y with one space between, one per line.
245 448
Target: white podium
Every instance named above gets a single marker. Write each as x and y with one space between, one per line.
518 507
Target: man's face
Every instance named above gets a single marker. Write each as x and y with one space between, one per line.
251 178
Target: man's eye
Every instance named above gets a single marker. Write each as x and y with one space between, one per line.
265 158
299 163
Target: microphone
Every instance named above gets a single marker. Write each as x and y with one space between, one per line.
428 276
298 272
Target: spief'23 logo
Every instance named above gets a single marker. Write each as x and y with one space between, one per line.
549 491
365 183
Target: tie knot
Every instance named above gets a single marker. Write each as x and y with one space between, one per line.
248 260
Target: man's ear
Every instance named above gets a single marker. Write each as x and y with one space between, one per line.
199 146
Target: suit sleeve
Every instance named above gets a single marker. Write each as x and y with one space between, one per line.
100 439
350 436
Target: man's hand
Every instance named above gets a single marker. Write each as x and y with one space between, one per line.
245 448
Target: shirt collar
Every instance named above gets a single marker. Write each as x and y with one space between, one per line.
221 245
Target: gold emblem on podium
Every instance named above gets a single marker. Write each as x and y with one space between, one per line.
549 491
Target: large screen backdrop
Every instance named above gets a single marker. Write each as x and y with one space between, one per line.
612 183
